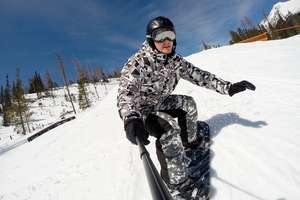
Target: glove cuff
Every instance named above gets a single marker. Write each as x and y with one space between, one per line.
229 84
129 118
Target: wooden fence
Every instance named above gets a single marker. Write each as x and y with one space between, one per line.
261 37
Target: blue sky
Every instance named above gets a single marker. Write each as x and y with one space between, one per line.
106 33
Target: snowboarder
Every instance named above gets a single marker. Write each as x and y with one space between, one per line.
147 106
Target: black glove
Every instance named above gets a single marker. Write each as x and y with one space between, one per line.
135 128
239 87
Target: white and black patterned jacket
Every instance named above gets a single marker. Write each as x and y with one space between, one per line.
149 77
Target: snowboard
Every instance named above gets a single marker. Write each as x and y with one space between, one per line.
198 184
200 164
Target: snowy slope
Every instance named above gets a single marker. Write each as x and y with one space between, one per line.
256 141
47 110
292 6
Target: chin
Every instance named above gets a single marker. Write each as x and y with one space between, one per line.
167 51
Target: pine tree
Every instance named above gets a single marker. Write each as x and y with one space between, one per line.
36 85
82 90
1 98
117 72
280 25
19 102
296 21
50 84
234 37
83 100
13 90
293 20
94 79
7 93
205 46
7 104
246 31
273 33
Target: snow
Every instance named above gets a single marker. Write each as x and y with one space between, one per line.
46 110
292 6
256 140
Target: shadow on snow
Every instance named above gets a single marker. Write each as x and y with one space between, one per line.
220 121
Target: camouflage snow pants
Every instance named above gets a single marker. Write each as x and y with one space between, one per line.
173 136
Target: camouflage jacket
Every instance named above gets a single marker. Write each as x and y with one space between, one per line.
149 77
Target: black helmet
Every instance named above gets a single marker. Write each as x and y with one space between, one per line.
159 23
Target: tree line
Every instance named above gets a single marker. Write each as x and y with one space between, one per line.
14 105
248 29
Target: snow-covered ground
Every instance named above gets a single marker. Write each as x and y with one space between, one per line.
256 137
47 110
284 8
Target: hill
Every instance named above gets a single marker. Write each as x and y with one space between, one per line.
256 140
284 9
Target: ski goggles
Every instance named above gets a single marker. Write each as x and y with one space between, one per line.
162 36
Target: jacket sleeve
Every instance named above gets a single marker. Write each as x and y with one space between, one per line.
128 100
202 78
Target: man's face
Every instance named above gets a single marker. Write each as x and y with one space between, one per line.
164 47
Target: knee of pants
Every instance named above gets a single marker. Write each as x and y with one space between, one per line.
191 105
184 103
159 123
167 121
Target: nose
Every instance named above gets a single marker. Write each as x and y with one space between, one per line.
167 42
